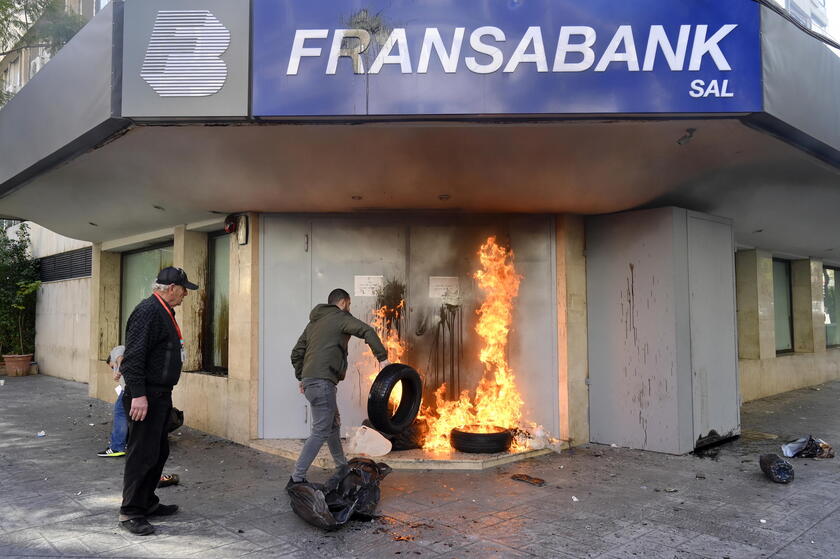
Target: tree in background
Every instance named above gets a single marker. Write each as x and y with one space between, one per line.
18 291
28 24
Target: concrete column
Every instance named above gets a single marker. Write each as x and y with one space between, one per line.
190 253
104 314
243 357
571 330
807 302
754 299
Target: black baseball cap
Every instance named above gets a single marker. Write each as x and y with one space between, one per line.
172 275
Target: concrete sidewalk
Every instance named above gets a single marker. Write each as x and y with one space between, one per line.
57 498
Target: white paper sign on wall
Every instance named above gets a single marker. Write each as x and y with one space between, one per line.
441 287
367 286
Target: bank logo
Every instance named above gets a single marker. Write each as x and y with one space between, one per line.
183 58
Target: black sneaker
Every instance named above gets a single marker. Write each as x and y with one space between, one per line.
164 510
292 482
138 526
109 453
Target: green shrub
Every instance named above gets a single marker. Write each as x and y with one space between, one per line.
18 291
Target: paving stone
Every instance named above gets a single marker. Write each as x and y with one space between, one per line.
233 502
710 546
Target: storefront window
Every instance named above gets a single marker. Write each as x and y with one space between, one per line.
218 290
782 306
832 307
139 272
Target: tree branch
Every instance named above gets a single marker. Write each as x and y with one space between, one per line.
24 47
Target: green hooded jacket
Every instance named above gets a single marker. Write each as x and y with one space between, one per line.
321 351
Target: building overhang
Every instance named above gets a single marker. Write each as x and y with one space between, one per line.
113 159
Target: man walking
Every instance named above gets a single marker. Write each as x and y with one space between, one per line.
320 362
151 367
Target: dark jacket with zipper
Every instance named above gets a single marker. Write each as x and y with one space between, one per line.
152 359
321 351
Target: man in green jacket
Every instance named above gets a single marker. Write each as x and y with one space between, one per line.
320 362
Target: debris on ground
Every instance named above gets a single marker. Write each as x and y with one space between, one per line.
575 499
710 452
808 448
528 479
671 490
352 493
775 468
368 442
41 434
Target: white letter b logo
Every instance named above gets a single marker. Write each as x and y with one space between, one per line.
183 56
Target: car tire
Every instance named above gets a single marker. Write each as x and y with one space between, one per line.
481 443
412 394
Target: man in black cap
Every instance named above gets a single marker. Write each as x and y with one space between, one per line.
151 367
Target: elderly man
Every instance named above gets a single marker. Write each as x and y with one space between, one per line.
151 367
320 362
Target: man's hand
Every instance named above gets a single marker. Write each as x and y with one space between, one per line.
139 408
383 364
300 386
115 366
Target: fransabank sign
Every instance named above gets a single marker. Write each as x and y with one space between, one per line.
404 57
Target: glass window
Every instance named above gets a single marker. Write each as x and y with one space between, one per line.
139 272
782 305
831 302
218 290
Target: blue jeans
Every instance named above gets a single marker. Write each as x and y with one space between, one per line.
119 432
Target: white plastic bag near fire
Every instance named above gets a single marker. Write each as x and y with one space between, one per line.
365 441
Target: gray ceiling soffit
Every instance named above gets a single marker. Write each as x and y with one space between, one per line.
65 106
801 81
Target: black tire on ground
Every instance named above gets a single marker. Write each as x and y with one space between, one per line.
481 443
412 393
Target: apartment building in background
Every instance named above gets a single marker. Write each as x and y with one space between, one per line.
19 66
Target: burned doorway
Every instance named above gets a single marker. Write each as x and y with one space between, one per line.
426 261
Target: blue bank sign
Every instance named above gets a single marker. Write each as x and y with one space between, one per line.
505 57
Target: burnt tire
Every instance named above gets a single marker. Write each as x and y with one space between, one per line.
481 443
412 393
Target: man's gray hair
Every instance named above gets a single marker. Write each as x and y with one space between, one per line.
159 286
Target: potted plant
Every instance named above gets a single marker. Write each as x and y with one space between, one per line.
18 291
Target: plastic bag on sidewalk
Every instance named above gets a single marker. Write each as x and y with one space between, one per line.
808 448
368 442
353 492
412 437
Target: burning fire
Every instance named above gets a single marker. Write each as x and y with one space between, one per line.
497 402
384 321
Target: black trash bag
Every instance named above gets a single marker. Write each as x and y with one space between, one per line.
352 493
808 448
411 438
775 468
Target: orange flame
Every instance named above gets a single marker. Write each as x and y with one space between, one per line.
384 322
497 402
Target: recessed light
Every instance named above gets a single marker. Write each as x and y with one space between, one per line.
444 197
